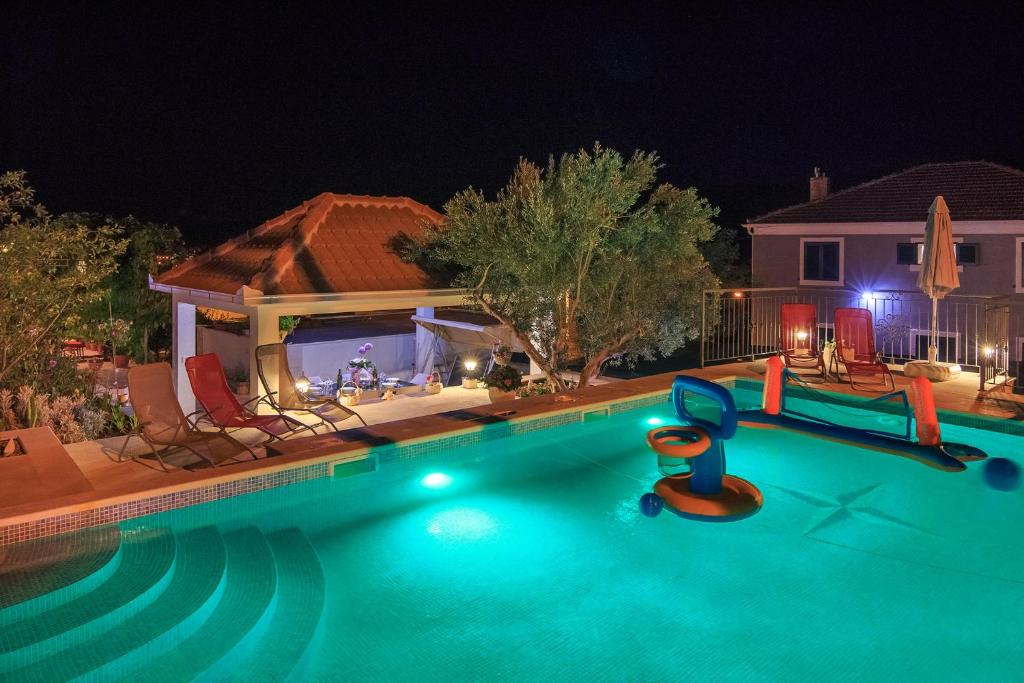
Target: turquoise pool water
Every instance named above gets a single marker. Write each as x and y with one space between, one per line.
529 560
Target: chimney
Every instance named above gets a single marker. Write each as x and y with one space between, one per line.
819 185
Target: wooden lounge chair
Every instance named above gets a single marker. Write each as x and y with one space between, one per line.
855 348
287 397
163 425
222 409
798 337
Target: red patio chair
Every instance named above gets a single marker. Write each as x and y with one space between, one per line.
855 347
798 337
222 409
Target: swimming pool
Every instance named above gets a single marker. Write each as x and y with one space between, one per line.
526 558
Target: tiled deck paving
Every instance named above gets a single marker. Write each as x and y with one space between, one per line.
125 490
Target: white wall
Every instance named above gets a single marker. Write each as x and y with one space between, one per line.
394 356
232 349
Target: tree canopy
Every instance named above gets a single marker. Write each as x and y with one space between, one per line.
585 260
50 270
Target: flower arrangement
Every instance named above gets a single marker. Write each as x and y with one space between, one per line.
362 362
504 378
433 385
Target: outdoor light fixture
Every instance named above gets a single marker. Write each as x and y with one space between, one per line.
302 384
868 296
738 295
470 364
655 421
436 480
988 351
802 336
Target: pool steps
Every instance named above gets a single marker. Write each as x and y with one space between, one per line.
46 570
250 580
142 574
203 604
298 605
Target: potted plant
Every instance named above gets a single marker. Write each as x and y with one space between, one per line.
433 385
286 324
503 355
238 379
503 382
118 331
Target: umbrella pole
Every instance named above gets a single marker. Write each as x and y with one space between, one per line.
933 338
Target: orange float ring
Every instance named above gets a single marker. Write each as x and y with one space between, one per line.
667 441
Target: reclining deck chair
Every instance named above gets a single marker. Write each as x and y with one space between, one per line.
287 398
798 337
222 409
855 347
163 425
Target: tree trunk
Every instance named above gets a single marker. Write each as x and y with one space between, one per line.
593 365
556 380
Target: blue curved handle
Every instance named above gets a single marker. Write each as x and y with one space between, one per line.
716 392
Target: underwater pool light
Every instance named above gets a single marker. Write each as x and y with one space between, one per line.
655 421
436 480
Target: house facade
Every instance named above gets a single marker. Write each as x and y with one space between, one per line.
862 247
866 238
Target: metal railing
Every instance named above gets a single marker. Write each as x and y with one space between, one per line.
974 331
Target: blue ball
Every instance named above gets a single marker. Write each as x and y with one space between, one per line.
1002 474
651 504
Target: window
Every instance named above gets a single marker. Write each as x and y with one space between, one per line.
969 253
821 261
909 253
912 253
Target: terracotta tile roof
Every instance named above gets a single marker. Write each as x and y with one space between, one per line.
973 190
331 243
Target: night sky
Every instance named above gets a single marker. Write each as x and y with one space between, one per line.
216 119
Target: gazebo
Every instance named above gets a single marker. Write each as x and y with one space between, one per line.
332 254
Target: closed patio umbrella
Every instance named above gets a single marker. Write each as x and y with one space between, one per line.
938 276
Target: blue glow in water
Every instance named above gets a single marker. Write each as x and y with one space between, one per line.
436 480
655 421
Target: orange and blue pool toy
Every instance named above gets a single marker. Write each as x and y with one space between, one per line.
691 458
929 448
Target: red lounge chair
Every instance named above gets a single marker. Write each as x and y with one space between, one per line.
798 337
222 409
855 347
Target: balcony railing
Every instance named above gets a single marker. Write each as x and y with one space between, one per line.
974 331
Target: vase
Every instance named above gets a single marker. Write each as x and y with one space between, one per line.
243 389
469 383
120 360
497 395
432 387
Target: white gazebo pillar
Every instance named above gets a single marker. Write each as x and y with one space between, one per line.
263 329
184 342
424 352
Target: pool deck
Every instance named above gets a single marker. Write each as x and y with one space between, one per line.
409 420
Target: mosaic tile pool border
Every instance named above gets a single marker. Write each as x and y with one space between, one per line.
118 512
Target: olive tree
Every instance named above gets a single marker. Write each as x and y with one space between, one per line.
586 260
